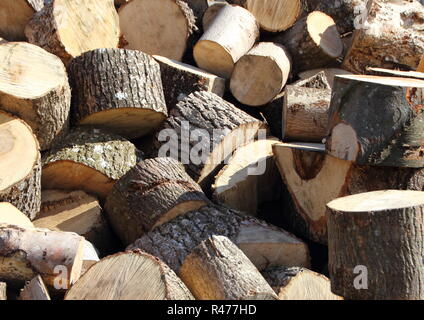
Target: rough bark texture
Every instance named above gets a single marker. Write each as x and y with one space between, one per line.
218 270
152 193
35 290
388 242
3 295
386 129
126 80
199 7
318 81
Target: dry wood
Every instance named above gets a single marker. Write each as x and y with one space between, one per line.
211 12
34 86
319 80
385 129
249 179
129 276
157 27
35 290
218 270
299 284
91 256
3 294
152 193
421 65
330 73
133 108
383 232
68 28
90 160
260 75
394 73
10 215
263 244
231 35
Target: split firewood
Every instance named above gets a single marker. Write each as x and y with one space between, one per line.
20 166
313 42
375 240
157 27
15 15
299 284
260 75
218 270
330 73
211 12
56 256
394 73
90 160
421 65
391 36
249 178
230 36
75 211
305 114
314 179
152 193
34 86
203 130
263 244
3 294
180 80
10 215
129 276
90 257
385 129
133 108
68 28
35 290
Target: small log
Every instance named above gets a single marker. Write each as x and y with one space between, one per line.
263 244
35 290
44 106
390 37
229 37
90 160
15 16
218 270
28 252
180 80
10 215
260 75
3 294
249 179
313 42
299 284
330 73
421 65
76 212
68 28
129 276
152 193
157 27
20 166
395 73
133 108
305 114
381 232
386 129
211 12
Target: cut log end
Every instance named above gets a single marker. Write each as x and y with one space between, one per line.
214 58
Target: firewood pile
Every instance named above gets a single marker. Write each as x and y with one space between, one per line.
211 150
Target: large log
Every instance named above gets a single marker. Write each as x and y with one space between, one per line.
12 216
68 28
35 290
129 276
390 37
133 108
20 166
263 244
386 129
157 27
34 86
218 270
231 35
314 179
378 235
88 159
152 193
260 75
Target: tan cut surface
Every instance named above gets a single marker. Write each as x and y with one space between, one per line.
9 214
14 16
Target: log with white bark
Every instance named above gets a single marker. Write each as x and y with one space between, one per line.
218 270
35 290
157 27
211 12
260 75
375 244
68 28
118 90
3 293
10 215
263 244
34 86
152 193
385 129
90 160
230 36
129 276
